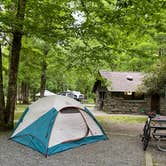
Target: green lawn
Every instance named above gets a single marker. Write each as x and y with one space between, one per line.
21 107
19 110
17 115
122 119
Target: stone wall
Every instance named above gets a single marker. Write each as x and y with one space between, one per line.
113 104
162 106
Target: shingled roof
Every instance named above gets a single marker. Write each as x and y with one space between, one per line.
123 81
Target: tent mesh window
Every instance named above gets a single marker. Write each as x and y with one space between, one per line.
69 111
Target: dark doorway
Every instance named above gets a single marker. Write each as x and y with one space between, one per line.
102 96
155 103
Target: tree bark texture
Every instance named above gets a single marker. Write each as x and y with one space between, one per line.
24 93
43 78
2 101
14 62
43 74
33 95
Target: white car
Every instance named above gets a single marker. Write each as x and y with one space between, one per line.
78 95
66 93
73 94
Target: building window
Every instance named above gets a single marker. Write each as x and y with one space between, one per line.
133 96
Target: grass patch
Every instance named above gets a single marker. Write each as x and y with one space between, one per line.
17 115
107 121
21 107
121 119
19 110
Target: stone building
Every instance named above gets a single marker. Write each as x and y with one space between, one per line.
124 92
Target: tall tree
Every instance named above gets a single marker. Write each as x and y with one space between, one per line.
2 101
14 62
43 70
156 80
25 92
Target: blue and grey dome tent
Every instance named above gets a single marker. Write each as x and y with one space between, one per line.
57 123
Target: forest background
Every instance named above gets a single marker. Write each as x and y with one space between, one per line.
60 45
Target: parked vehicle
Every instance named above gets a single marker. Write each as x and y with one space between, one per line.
73 94
67 93
78 95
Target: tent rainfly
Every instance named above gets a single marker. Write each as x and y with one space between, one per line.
57 123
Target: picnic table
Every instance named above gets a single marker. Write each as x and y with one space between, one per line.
155 126
158 123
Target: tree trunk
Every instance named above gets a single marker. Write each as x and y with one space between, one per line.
33 95
14 62
24 93
2 101
43 79
43 74
19 100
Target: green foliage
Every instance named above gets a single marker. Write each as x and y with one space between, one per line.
118 35
156 81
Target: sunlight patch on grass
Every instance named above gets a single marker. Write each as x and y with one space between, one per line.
17 115
21 107
124 119
19 110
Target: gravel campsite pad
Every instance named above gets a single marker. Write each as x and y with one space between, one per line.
118 150
123 148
